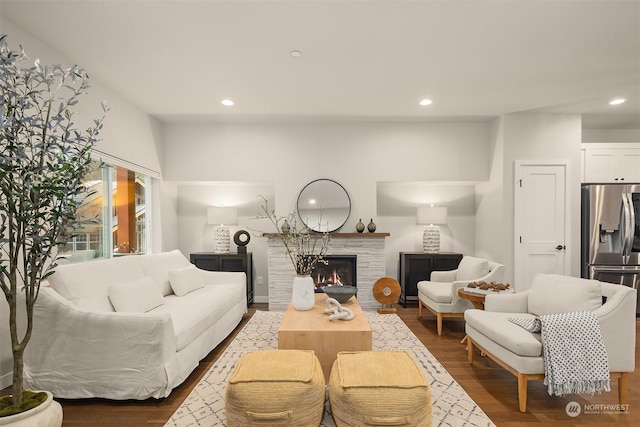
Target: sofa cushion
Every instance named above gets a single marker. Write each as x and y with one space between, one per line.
195 312
436 291
86 284
97 303
157 266
185 280
472 268
498 328
575 294
138 296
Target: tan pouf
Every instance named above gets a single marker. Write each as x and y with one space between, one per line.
276 388
379 388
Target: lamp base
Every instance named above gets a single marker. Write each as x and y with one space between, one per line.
431 239
222 239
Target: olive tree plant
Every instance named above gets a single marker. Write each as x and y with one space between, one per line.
44 157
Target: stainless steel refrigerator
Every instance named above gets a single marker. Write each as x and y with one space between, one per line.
611 234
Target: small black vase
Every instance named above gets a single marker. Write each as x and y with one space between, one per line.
371 227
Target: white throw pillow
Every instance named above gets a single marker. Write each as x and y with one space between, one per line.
158 265
472 268
138 296
185 280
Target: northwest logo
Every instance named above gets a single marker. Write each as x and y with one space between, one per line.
573 409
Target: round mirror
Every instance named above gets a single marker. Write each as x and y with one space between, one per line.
324 205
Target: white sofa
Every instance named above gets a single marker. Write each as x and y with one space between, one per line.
521 352
131 327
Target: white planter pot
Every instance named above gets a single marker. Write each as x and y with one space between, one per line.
47 414
304 297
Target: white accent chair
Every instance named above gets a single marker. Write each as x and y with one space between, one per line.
520 351
439 295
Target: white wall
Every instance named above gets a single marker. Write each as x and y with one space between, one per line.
128 134
611 135
360 156
491 239
532 137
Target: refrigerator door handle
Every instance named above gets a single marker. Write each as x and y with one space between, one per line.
628 220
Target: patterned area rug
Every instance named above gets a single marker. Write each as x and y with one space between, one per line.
204 407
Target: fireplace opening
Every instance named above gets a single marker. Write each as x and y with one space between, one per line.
340 270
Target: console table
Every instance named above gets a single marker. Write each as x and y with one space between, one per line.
417 266
227 262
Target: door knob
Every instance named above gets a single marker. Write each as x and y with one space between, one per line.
560 247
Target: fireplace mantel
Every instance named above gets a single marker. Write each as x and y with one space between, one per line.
370 265
340 235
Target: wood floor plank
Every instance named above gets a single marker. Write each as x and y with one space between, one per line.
490 386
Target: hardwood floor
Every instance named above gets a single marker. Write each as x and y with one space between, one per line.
490 386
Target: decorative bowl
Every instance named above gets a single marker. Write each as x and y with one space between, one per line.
340 293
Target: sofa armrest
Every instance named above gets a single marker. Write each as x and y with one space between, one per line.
224 277
443 276
507 303
132 351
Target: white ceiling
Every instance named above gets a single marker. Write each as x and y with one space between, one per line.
476 60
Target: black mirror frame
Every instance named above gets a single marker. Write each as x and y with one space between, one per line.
330 229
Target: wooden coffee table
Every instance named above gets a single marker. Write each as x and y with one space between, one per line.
312 330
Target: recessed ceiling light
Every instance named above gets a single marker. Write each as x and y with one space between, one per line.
617 101
227 102
296 53
426 102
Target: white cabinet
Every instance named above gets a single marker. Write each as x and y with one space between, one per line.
611 163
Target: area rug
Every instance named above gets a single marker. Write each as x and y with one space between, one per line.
204 407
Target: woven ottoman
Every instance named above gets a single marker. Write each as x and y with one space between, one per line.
379 388
276 388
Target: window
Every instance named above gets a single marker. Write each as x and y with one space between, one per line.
128 222
113 215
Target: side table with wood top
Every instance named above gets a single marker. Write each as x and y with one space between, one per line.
476 299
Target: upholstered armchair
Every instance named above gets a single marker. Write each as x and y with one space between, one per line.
520 350
439 295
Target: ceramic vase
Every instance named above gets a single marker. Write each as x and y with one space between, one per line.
304 297
47 414
360 226
372 226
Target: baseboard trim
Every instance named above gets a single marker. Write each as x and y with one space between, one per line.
261 299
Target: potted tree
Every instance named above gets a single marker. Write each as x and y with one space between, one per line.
43 159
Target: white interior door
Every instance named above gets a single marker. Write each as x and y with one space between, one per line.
540 221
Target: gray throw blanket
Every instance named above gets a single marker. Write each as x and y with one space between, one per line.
574 354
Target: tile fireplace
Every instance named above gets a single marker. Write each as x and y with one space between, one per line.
367 248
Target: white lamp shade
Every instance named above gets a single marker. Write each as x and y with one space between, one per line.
222 215
432 215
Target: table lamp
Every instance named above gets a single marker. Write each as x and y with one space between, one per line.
431 216
221 217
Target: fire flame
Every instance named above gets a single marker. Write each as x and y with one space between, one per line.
331 280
